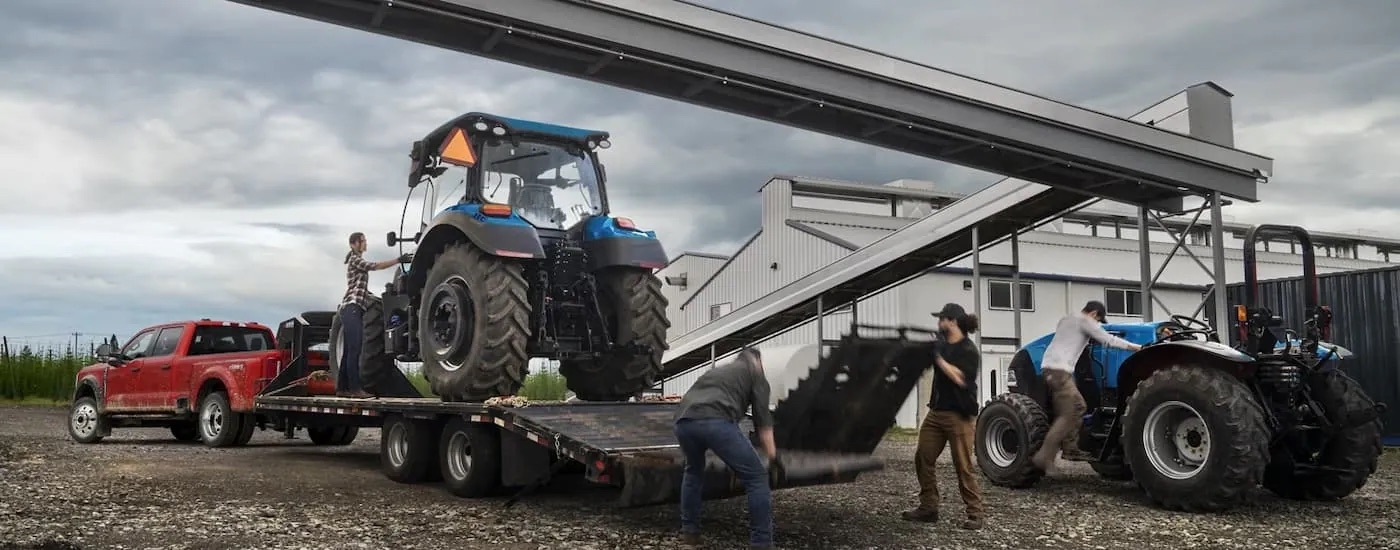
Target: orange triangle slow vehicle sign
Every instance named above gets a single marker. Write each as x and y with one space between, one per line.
456 149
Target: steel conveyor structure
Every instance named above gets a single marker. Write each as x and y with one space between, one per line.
722 61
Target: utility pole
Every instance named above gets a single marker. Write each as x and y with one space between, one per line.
75 344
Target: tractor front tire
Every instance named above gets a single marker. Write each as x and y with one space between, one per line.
634 310
1195 439
1351 455
474 323
1010 429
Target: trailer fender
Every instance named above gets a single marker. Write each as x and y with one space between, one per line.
610 243
1152 358
510 237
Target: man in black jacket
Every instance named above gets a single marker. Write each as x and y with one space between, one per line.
951 418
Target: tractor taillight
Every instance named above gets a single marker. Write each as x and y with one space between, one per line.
497 210
1240 314
625 223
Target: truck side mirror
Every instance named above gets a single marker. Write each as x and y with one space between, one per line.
105 350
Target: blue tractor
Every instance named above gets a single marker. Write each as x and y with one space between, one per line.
1196 423
525 262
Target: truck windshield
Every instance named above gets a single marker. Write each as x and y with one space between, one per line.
550 185
221 339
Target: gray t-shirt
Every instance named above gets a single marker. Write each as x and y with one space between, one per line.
1071 335
727 391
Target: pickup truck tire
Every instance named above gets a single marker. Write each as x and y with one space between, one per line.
470 458
634 311
247 424
218 425
333 435
85 423
185 431
408 449
474 322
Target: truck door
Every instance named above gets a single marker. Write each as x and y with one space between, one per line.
119 392
156 379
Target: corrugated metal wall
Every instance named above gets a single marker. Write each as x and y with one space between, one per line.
1366 320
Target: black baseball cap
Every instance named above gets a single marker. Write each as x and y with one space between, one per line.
951 311
1097 308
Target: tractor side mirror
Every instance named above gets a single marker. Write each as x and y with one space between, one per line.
392 238
415 167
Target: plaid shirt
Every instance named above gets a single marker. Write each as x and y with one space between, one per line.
357 280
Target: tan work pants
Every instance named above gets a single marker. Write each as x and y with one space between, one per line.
947 428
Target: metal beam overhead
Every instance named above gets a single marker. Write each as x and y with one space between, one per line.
764 71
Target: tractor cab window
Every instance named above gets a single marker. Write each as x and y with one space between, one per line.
550 185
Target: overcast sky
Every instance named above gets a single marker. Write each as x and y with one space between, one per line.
169 159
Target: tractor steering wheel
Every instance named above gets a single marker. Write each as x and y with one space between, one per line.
1184 329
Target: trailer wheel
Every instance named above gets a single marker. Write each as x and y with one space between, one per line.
474 321
333 435
85 423
470 458
1010 429
185 431
634 310
408 449
219 426
1195 439
1351 455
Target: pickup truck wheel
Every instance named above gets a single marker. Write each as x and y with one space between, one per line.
333 435
85 424
185 432
407 449
219 426
470 458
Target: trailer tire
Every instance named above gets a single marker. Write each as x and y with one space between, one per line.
408 449
219 426
1010 430
470 458
185 431
1353 452
86 424
485 356
634 310
1188 414
332 435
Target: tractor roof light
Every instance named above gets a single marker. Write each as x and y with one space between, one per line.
498 130
604 144
481 126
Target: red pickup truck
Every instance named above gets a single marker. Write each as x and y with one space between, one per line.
198 378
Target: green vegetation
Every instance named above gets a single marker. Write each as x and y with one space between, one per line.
540 386
42 376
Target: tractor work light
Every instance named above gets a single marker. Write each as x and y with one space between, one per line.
496 210
604 144
625 223
480 126
499 130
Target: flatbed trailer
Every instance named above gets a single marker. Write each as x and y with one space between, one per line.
512 445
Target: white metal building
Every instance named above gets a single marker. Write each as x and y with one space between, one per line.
1091 255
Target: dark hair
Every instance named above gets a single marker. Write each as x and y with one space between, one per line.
356 237
968 323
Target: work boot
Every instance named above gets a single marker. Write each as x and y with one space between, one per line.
690 539
1043 463
920 514
973 524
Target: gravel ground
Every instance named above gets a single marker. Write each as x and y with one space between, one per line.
140 489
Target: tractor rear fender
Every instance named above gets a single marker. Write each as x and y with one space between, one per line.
1142 364
508 237
630 251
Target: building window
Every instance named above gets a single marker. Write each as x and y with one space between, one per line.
999 296
1123 301
720 310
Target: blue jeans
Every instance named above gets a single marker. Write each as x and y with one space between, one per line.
352 325
696 435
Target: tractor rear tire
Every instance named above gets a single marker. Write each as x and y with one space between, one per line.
1010 429
1353 453
1193 414
634 310
486 355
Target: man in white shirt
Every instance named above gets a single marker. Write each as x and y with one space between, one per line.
1057 368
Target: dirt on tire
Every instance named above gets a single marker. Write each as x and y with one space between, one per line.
496 361
635 310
